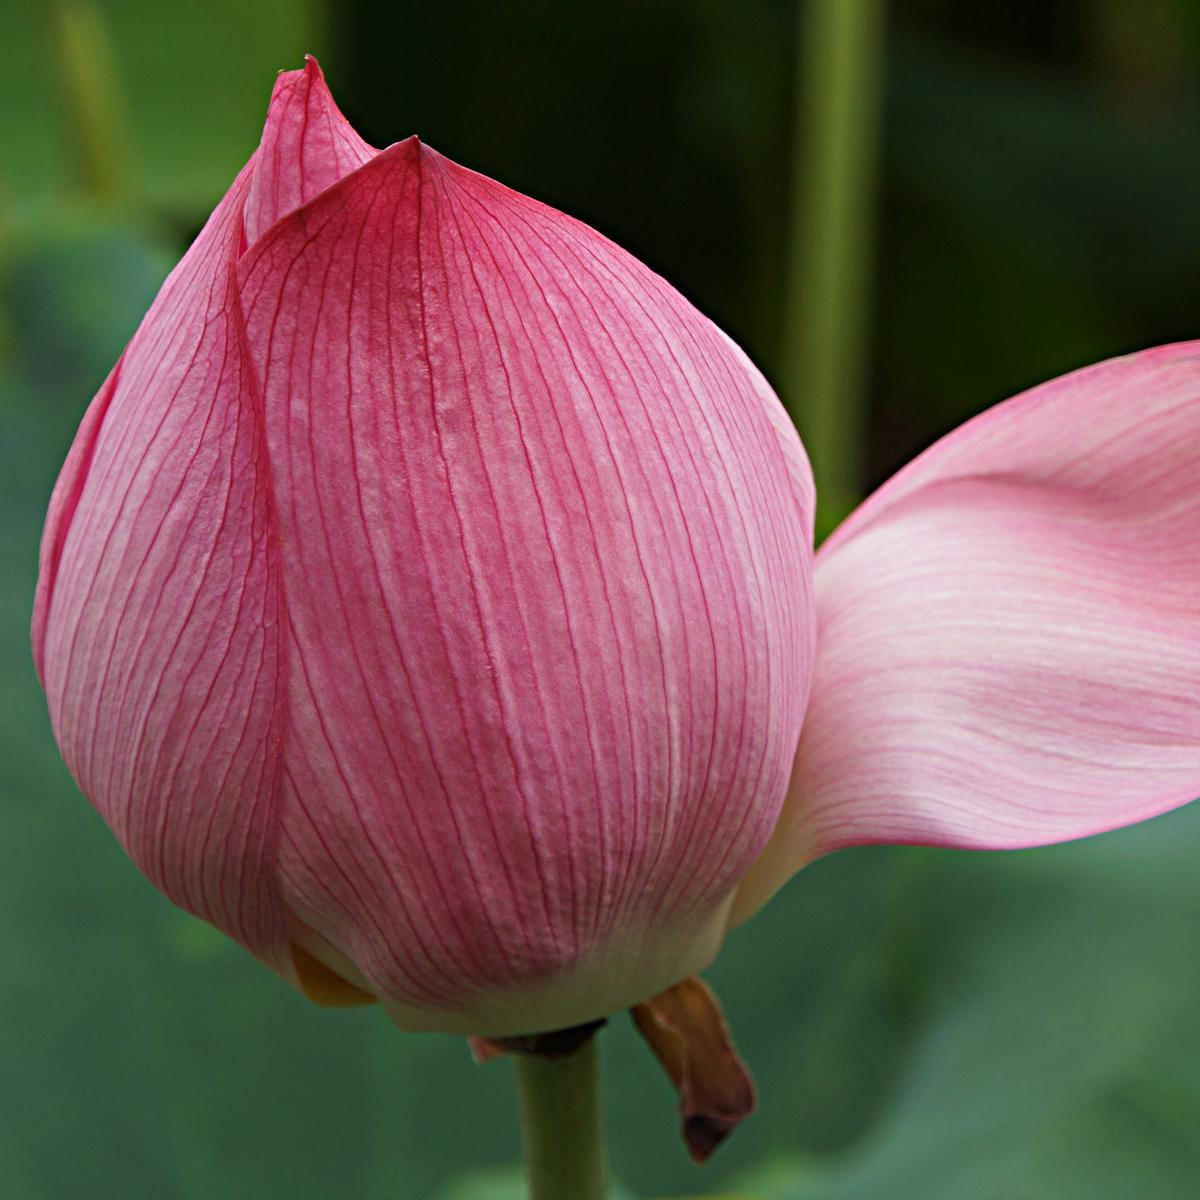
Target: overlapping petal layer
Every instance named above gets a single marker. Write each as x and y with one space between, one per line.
157 620
545 559
1009 630
156 624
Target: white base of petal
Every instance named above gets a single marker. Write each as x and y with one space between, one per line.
625 972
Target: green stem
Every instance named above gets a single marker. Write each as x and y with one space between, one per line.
92 99
838 95
561 1126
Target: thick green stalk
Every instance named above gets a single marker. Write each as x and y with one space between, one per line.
838 92
561 1126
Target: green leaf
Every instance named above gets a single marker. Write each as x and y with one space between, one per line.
504 1183
1056 1059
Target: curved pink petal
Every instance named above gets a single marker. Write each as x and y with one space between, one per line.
155 628
1009 630
544 542
307 146
156 620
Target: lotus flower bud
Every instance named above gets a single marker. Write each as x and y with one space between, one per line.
425 600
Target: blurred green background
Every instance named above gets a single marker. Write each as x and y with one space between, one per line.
1020 195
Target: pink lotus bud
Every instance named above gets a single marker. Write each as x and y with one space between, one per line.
427 602
426 599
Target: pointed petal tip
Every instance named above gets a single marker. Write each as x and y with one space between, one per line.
311 71
313 75
290 80
307 145
413 152
300 86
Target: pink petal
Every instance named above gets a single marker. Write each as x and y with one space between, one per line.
156 623
307 146
1009 630
544 540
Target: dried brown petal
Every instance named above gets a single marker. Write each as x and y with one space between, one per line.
686 1029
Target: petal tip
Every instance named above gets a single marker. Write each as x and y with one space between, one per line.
306 146
288 80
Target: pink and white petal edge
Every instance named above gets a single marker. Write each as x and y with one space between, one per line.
1009 630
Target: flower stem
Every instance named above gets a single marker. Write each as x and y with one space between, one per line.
839 70
92 99
561 1126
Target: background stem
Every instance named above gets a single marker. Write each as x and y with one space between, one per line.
561 1126
92 100
826 316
